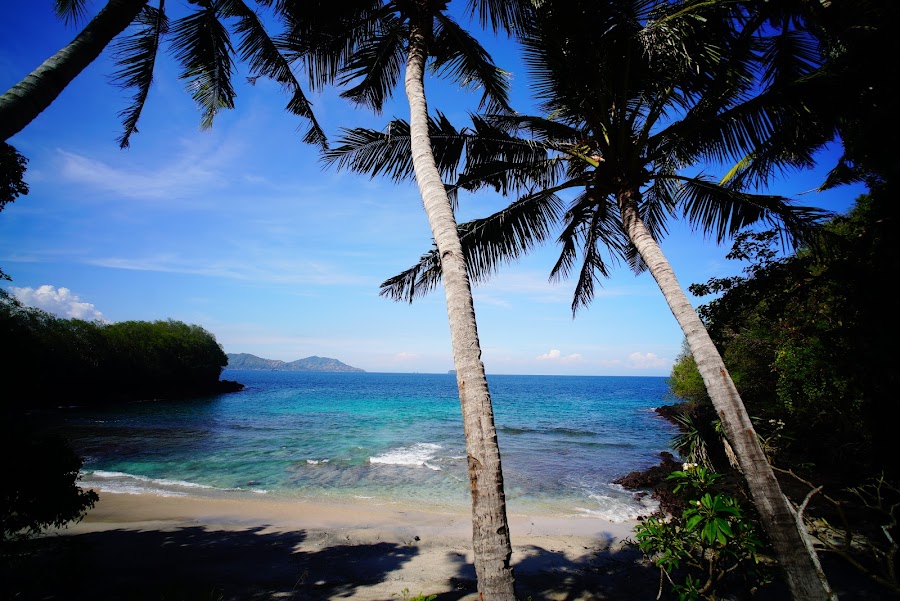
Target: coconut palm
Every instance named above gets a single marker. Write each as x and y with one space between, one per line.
28 98
201 44
364 45
637 97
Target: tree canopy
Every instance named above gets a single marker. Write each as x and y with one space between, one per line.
72 361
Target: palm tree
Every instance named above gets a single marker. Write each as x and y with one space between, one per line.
28 98
638 97
364 45
201 44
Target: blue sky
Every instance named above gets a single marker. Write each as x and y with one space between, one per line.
242 230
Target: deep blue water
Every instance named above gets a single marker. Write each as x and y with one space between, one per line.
387 438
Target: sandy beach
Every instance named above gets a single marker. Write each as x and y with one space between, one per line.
177 548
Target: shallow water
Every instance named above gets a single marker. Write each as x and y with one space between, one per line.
388 438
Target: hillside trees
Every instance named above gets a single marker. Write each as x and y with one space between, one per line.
72 361
807 340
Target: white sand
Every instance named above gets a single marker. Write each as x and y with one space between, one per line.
243 547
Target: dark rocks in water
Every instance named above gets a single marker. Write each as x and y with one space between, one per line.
652 477
655 479
229 386
671 412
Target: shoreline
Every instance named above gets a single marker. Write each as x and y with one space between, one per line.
239 548
238 509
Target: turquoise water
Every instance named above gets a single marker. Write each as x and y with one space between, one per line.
385 438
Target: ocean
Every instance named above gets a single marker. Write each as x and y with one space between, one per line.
383 438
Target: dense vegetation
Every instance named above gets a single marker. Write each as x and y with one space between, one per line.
12 179
42 484
808 342
74 362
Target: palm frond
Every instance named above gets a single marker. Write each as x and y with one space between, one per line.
459 56
323 39
788 56
136 54
510 233
260 51
585 59
841 175
415 282
792 145
487 243
513 178
376 65
203 48
389 152
538 128
721 212
506 163
658 205
70 11
500 15
634 259
715 137
591 229
599 235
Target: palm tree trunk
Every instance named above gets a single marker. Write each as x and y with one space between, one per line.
28 98
790 540
490 529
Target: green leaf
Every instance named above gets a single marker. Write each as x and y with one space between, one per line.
136 55
203 48
459 56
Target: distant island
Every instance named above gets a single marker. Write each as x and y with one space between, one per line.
252 362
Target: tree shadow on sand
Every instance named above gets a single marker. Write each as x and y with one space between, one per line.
196 563
606 571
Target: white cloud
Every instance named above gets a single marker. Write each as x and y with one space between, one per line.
274 270
180 179
59 301
486 299
647 361
556 355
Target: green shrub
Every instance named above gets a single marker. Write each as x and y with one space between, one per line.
710 547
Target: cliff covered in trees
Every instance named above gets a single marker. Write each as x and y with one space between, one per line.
54 362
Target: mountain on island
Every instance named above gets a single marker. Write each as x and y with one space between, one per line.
247 361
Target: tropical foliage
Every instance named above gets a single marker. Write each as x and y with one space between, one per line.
710 547
805 339
41 490
12 179
200 41
640 95
86 362
12 174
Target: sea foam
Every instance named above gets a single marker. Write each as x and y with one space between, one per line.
121 482
421 454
